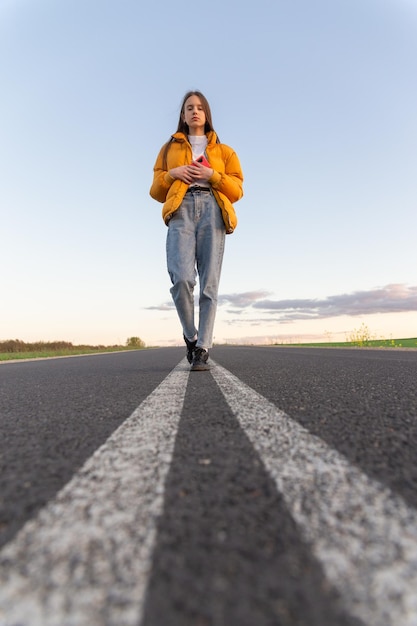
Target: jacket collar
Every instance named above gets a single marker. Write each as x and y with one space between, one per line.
211 137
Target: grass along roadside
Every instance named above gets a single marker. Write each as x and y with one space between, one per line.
15 349
368 343
44 352
362 337
13 356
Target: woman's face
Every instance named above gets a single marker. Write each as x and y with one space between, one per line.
194 115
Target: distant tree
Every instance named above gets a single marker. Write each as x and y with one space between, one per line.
135 342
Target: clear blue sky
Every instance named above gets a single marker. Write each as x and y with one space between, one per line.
319 100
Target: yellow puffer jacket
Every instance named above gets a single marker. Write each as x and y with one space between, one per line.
226 181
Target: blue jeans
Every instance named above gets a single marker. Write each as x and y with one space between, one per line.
195 243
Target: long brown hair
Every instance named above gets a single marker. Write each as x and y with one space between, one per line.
183 127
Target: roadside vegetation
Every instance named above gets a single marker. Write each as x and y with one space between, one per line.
372 343
12 349
362 338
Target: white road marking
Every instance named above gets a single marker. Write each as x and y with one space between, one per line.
364 535
85 559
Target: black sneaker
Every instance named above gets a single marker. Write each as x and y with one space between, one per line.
190 348
200 359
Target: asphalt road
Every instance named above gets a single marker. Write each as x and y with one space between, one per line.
277 489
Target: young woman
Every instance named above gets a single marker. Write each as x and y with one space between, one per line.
197 178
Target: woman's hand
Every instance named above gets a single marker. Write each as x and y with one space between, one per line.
191 173
200 172
183 172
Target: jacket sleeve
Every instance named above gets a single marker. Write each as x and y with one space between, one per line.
162 181
229 182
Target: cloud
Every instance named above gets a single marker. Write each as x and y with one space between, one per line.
242 300
396 298
238 300
165 306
